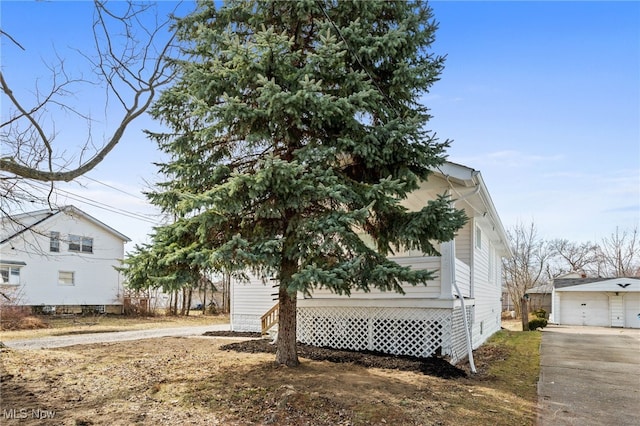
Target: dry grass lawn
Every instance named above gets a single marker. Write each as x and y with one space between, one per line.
182 381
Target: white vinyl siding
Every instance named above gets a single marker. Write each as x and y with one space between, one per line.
463 243
486 292
431 290
95 281
249 301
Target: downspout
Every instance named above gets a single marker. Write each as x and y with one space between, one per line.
465 321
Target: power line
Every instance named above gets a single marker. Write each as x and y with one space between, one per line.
100 205
105 184
137 197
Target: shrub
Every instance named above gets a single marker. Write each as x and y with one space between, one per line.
18 318
540 313
537 323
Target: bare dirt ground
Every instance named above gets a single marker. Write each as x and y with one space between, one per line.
437 367
206 381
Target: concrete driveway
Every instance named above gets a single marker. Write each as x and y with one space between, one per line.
589 376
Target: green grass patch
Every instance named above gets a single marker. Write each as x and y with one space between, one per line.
515 364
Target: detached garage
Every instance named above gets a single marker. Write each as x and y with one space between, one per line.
603 302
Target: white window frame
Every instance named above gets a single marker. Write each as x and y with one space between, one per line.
79 244
12 274
478 242
87 245
54 242
66 278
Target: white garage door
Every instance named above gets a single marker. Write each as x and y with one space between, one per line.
584 309
632 310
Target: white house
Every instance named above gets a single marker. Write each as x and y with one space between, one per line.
604 302
427 320
62 259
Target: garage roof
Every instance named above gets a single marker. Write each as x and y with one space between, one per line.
597 284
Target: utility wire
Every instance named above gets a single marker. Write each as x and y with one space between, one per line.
100 205
105 184
137 197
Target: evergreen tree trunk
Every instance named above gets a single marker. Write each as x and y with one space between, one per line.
175 303
286 353
189 300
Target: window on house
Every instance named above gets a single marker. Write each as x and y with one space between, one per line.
9 275
65 278
54 241
87 245
81 244
478 238
74 242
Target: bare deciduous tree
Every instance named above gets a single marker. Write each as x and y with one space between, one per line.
619 254
529 264
129 62
573 257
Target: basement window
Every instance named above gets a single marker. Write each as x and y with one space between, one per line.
66 278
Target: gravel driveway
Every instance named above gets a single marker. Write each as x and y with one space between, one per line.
117 336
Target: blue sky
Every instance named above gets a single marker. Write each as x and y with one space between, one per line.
542 97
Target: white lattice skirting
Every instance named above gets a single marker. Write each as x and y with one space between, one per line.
421 332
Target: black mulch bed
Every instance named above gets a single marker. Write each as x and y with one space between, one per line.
434 366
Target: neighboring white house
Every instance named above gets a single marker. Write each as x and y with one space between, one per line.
605 302
427 320
61 258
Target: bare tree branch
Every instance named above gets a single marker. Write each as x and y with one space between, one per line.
573 257
132 73
619 254
12 39
529 264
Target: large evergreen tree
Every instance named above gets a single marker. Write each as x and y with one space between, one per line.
295 128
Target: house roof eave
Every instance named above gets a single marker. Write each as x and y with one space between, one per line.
468 177
70 209
95 221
